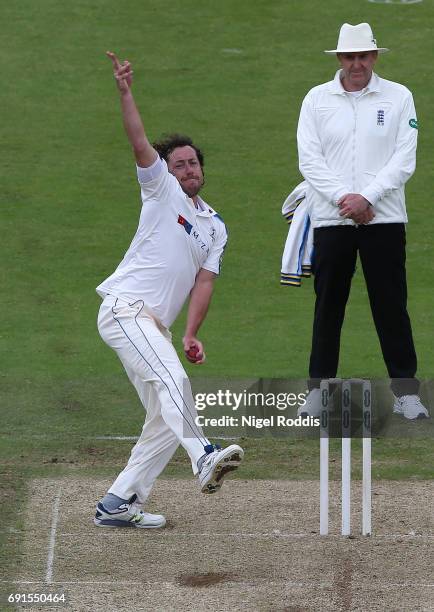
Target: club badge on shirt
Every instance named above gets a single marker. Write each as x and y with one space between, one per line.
194 233
380 117
186 224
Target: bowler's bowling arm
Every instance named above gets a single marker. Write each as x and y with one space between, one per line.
144 153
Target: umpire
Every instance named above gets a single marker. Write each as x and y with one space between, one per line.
357 138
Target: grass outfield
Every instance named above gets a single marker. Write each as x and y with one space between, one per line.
233 77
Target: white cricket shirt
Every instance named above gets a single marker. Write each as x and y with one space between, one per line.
357 144
173 241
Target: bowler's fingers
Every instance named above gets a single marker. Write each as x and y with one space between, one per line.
197 347
193 349
200 360
114 59
199 355
196 358
125 69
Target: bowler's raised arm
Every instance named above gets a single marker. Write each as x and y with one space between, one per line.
144 153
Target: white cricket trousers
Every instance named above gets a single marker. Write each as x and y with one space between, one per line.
146 351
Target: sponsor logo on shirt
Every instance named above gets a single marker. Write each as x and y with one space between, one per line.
380 117
192 232
186 225
413 123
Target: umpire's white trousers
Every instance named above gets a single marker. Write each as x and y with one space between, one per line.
150 360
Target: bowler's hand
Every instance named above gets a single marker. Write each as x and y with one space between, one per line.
122 73
193 350
354 206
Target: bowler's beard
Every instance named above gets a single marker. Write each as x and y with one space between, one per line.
192 191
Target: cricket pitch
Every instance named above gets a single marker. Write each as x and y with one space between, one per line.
253 546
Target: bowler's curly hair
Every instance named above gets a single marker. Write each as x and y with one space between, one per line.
170 142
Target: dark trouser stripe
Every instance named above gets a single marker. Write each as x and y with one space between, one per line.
195 433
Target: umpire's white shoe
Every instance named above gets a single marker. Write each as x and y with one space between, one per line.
216 465
127 515
313 405
410 407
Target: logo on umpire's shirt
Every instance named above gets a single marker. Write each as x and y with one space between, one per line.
380 117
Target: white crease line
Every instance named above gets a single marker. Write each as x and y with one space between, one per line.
275 534
173 532
74 582
52 542
382 585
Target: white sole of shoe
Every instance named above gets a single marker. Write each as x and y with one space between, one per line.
228 462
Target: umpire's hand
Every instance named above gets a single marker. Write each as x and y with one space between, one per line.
354 206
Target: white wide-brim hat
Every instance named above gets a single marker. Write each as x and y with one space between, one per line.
356 39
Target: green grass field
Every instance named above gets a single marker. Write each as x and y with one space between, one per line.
233 75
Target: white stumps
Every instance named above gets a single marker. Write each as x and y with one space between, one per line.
346 458
324 460
366 475
346 434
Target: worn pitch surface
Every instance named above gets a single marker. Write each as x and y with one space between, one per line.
254 546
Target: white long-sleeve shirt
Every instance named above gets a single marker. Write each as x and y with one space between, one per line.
362 144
